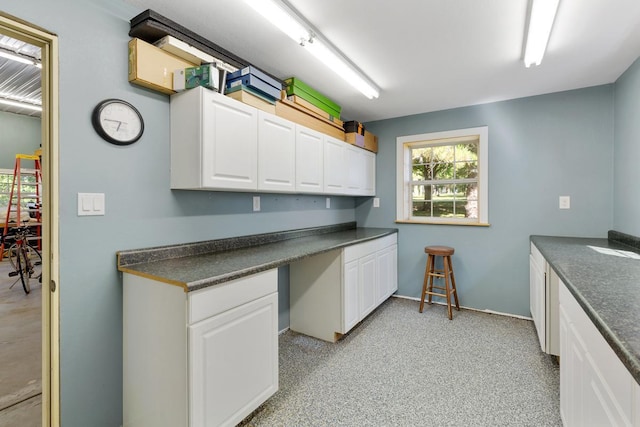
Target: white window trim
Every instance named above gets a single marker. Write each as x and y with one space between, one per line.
403 176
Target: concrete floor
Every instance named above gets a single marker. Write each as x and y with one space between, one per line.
20 352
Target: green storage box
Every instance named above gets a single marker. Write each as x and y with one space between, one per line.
296 87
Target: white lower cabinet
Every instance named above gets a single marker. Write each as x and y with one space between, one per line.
596 389
331 292
387 266
543 300
203 359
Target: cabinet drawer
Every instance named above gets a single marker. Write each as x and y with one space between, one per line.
366 248
217 299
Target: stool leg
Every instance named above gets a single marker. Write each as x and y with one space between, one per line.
432 270
447 286
424 283
453 284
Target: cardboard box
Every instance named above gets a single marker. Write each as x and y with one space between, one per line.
204 75
368 141
253 82
312 108
295 86
253 100
183 50
287 110
259 74
152 67
354 126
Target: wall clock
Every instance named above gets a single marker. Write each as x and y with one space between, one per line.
117 122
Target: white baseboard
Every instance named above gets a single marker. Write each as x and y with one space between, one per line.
469 308
283 331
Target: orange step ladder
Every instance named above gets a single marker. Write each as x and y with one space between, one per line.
17 195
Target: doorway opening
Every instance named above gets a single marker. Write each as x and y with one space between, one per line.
29 326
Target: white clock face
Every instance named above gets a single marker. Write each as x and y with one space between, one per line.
120 122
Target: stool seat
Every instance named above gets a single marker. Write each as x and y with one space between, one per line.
445 273
439 250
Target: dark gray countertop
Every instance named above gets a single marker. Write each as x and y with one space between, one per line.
606 286
199 265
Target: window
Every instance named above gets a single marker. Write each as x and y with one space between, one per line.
442 177
27 189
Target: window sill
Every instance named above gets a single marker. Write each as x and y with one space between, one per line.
473 224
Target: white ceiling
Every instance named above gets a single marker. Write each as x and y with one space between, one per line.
426 55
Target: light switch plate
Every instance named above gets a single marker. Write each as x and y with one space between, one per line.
565 202
328 202
376 202
91 204
256 203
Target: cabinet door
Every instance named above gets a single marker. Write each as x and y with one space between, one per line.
369 183
356 170
537 299
309 160
334 166
368 282
276 153
233 363
350 302
230 144
393 283
387 280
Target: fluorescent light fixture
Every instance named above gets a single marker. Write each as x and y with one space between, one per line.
278 15
332 60
20 58
290 22
541 17
20 104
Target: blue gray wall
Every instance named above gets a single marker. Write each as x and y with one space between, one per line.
540 148
20 134
627 152
141 211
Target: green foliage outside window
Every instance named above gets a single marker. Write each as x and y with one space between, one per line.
444 180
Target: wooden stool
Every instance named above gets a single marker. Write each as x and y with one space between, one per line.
447 273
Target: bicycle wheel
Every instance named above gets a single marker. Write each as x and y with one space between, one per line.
29 266
13 256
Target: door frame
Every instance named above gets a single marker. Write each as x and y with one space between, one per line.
48 43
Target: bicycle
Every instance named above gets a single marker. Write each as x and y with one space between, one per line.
24 258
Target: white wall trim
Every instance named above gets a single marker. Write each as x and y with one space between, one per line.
517 316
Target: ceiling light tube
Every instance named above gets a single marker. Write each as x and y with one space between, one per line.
290 22
541 17
20 104
333 61
281 18
19 58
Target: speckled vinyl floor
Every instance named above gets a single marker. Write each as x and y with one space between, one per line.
403 368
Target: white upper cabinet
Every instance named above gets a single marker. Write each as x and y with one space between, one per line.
214 142
361 172
218 143
309 160
276 153
369 188
334 166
